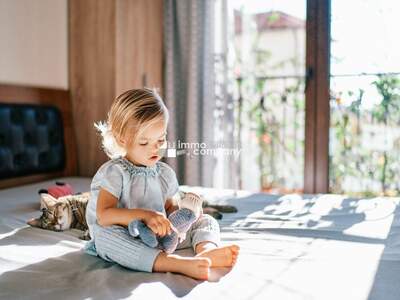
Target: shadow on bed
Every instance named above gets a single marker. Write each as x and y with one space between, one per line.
283 212
26 237
81 276
307 217
86 276
386 281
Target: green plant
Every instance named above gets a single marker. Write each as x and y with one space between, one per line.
387 110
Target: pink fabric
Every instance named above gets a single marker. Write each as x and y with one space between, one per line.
60 190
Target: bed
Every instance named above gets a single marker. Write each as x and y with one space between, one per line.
292 246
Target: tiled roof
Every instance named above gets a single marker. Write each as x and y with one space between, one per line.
270 21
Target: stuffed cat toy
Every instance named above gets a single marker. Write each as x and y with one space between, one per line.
190 209
63 213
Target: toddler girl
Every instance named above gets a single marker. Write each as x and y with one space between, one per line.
135 185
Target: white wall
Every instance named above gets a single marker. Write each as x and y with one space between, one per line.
34 42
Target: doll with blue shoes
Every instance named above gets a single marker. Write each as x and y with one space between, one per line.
190 209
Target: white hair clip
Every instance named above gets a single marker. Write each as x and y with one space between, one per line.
109 143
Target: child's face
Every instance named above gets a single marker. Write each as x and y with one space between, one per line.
145 149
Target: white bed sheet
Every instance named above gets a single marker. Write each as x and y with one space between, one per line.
292 247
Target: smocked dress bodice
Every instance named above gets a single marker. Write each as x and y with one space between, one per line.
134 186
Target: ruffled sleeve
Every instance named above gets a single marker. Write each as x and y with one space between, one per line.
168 181
110 178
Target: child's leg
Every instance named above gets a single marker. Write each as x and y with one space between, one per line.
115 244
205 236
206 228
203 246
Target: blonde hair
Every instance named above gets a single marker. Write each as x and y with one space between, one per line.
131 111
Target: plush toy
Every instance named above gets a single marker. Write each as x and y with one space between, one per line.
62 209
63 213
190 209
58 190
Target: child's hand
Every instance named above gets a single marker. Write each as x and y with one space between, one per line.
157 222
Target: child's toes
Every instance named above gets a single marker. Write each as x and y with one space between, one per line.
235 252
235 248
234 260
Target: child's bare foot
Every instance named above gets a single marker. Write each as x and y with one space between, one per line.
225 256
195 267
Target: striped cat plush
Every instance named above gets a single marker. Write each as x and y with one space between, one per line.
63 213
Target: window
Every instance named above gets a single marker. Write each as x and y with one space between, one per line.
265 67
365 98
343 133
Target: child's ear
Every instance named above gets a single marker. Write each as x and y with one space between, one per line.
121 141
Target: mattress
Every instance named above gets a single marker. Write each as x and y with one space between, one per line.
292 247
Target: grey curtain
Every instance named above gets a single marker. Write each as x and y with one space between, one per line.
189 84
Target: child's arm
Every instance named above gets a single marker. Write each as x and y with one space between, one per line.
109 214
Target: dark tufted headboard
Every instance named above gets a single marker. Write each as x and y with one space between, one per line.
36 135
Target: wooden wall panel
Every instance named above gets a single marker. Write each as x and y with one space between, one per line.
111 45
92 74
139 44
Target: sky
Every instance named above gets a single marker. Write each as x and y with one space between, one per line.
366 37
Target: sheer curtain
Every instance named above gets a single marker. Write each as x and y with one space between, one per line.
227 168
197 93
189 85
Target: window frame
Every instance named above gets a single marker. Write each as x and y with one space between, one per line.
317 123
